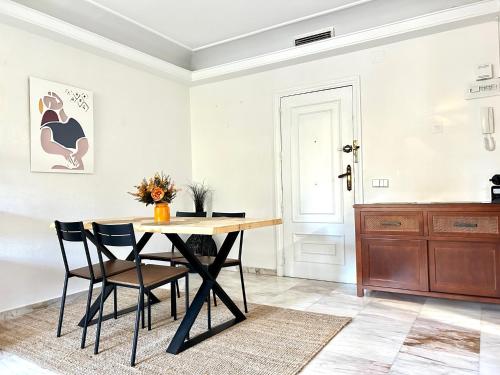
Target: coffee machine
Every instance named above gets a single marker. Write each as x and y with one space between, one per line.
495 189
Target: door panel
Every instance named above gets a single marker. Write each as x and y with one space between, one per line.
471 268
395 263
318 219
316 192
322 249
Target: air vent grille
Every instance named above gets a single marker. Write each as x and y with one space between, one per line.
311 38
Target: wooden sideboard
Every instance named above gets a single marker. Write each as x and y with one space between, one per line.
448 250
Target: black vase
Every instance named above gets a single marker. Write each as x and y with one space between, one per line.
198 206
202 245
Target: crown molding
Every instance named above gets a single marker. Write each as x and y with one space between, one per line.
442 20
25 17
28 18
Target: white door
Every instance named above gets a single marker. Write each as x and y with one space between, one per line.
318 217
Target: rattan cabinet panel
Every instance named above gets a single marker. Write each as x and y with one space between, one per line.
464 224
392 222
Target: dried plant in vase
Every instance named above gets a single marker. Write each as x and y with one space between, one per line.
199 193
200 244
158 190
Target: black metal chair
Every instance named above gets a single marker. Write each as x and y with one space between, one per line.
207 260
145 277
75 232
167 256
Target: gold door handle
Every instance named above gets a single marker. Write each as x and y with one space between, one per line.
348 174
355 149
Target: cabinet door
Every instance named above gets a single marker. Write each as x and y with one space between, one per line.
470 268
398 264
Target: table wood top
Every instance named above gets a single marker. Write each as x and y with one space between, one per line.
189 225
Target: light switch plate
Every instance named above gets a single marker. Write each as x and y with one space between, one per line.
380 183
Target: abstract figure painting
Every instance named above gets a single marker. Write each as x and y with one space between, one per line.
62 128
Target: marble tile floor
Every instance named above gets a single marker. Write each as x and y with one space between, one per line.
389 334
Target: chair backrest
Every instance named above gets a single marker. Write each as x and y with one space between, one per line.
233 214
228 214
73 232
190 214
120 235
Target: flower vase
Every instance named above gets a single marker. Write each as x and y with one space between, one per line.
162 213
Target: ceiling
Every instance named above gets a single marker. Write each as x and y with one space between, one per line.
201 34
196 23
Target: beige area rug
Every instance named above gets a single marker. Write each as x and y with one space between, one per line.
271 341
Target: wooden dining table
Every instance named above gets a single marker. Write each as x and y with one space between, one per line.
173 231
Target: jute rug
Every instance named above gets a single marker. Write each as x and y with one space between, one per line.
271 341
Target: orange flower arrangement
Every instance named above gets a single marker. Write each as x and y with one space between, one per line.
157 194
157 189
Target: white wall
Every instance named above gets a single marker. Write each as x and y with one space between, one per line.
406 88
141 125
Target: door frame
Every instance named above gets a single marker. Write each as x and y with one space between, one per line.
354 82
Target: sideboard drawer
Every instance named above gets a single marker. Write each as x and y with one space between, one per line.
465 223
410 223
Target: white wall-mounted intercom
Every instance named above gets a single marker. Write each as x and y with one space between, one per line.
488 127
484 71
485 85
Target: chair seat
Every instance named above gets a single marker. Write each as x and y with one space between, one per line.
165 255
152 274
111 267
208 260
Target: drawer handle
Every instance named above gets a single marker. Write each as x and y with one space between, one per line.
459 224
391 223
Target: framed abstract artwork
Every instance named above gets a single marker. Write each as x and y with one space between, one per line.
61 128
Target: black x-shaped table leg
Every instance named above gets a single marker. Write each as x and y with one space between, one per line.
209 275
94 309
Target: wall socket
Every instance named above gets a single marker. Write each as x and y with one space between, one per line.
380 183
